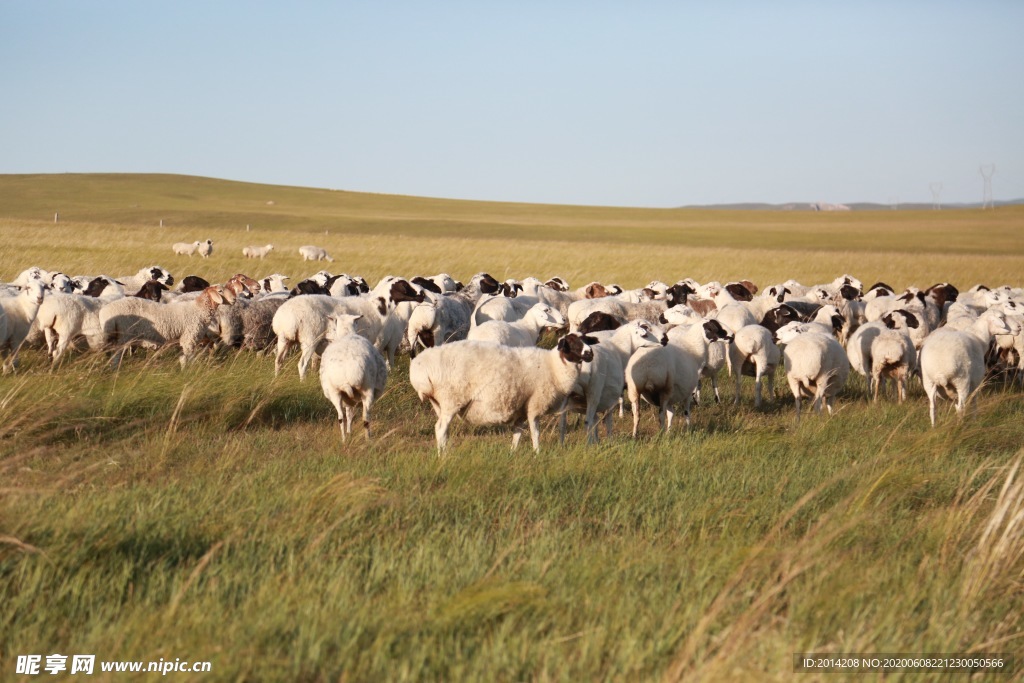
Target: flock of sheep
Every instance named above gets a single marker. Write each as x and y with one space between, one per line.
205 249
475 347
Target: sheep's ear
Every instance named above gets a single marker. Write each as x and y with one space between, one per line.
912 320
888 320
382 305
838 321
357 317
591 341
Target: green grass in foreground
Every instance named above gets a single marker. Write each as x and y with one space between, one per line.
213 514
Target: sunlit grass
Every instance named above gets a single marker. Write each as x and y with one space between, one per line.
214 514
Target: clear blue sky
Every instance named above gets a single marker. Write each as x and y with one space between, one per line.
641 103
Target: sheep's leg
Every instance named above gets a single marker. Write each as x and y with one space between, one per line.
609 420
666 424
736 396
757 384
635 407
563 419
283 346
517 434
901 389
51 341
350 414
369 397
304 361
535 432
877 381
714 385
592 436
441 431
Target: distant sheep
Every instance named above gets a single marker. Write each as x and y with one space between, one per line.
257 252
185 248
206 248
311 253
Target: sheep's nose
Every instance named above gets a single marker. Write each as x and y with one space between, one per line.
662 319
664 340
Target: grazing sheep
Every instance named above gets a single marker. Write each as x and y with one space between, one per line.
858 350
953 361
131 321
17 313
256 251
716 358
753 353
892 357
525 332
186 249
257 323
816 365
446 318
352 372
489 384
309 252
668 376
191 283
206 248
601 382
303 321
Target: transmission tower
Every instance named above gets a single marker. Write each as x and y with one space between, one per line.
936 189
986 194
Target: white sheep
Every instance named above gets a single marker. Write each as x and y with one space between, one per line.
716 355
352 372
816 365
892 357
17 314
274 284
185 248
525 332
308 252
753 353
206 248
63 318
133 321
953 361
601 382
858 350
257 251
303 321
490 384
667 376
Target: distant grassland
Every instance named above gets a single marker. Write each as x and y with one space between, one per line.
213 514
112 222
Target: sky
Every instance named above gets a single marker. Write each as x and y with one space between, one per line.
652 103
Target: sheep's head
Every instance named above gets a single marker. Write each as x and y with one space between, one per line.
547 316
157 273
999 324
402 290
341 325
598 321
34 291
679 315
900 319
788 332
575 348
646 334
779 317
425 283
558 284
486 283
713 332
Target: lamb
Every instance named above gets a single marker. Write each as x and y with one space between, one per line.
816 365
309 252
256 251
525 332
668 376
601 382
303 321
352 371
17 313
206 248
892 357
953 361
132 321
489 384
186 249
753 353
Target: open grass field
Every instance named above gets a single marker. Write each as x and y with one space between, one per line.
212 514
